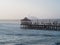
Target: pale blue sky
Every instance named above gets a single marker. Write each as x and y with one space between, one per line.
17 9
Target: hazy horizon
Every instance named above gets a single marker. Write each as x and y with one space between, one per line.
18 9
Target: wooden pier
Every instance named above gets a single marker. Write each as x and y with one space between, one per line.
27 24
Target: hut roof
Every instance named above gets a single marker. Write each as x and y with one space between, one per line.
25 19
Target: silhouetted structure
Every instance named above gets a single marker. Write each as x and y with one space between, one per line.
27 23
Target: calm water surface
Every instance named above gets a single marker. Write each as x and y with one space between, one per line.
11 34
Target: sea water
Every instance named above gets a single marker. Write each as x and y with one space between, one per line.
12 34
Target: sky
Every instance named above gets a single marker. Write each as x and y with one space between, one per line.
17 9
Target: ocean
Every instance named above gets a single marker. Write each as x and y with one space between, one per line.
12 34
